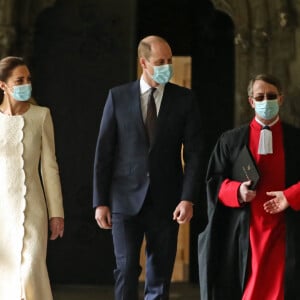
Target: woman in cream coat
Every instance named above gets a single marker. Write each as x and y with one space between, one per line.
30 190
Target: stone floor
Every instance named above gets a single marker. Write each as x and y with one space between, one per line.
179 291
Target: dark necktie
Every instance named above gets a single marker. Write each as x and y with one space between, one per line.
151 117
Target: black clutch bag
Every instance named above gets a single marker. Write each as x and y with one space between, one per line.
245 168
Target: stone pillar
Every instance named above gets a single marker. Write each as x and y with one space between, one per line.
7 29
17 19
28 12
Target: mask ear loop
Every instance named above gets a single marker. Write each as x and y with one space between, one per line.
2 86
8 89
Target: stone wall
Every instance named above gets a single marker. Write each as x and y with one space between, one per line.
267 40
17 20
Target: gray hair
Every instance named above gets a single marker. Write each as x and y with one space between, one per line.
266 78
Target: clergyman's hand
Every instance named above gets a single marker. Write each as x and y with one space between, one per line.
103 217
277 204
245 195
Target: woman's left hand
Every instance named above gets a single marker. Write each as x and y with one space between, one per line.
57 225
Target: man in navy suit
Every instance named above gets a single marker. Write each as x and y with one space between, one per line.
140 186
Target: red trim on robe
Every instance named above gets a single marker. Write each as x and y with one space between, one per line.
229 187
292 195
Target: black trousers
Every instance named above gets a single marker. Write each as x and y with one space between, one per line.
161 245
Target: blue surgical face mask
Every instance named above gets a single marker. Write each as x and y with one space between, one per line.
267 109
22 92
162 74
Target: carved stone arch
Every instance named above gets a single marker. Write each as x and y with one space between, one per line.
266 40
7 28
17 20
238 11
30 9
224 6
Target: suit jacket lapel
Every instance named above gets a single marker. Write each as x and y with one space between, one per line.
165 106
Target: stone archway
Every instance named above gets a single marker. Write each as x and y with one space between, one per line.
17 19
266 37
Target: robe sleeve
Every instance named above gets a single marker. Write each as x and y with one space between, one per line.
228 194
292 195
220 245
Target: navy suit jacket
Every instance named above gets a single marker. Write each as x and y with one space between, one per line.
125 165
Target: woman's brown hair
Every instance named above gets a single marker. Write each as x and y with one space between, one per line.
7 65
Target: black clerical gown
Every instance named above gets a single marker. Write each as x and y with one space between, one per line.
224 244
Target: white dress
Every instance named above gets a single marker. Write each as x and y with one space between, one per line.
27 201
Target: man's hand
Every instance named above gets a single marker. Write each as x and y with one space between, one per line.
103 217
183 212
276 204
245 195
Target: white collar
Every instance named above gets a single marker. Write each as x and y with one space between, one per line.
144 86
271 124
265 145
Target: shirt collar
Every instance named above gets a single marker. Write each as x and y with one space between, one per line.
270 125
144 86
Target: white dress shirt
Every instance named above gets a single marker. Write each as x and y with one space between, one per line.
145 92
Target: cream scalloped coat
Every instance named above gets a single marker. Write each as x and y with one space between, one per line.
27 202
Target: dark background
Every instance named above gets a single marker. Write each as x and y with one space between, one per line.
81 48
